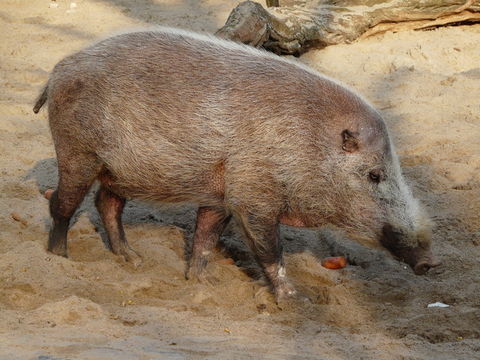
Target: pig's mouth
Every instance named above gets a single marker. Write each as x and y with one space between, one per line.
419 258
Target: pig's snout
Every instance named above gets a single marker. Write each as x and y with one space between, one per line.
400 244
425 264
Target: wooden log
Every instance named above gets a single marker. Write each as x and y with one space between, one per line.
272 3
294 29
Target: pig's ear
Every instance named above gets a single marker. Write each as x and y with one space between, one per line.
350 140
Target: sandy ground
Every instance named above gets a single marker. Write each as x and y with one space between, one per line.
95 306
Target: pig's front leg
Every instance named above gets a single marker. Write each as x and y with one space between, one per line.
211 223
263 238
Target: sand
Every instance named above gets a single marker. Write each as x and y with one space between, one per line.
93 305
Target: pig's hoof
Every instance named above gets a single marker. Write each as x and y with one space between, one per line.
286 296
195 268
285 290
60 251
202 276
132 257
208 279
293 301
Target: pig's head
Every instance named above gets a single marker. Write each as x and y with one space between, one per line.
368 196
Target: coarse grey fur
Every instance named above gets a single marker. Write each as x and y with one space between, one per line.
171 116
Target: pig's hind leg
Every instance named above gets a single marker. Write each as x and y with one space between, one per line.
77 171
110 207
211 222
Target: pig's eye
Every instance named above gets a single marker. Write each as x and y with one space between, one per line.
376 176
